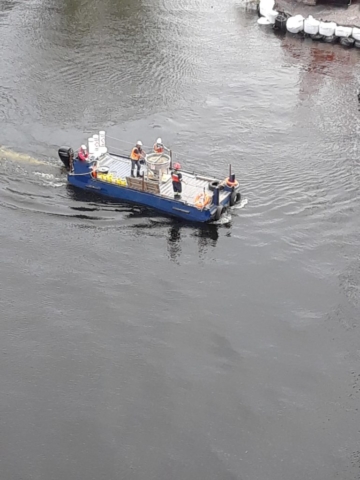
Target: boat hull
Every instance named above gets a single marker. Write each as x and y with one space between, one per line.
82 179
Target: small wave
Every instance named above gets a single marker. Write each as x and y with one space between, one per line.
51 180
224 219
242 204
25 207
47 176
27 194
56 184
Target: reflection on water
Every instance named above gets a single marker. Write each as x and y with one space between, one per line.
207 236
317 61
174 245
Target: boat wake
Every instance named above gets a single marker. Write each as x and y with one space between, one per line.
242 204
7 154
225 219
51 180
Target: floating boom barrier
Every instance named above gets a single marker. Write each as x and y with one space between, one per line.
317 30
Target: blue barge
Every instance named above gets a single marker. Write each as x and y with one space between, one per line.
203 199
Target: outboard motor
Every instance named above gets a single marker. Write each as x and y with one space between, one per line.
66 155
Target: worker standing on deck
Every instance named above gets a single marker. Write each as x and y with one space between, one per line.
176 178
136 154
83 153
158 146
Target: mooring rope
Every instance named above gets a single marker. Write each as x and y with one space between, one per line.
79 174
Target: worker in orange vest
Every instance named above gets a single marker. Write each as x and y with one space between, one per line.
158 146
176 178
136 154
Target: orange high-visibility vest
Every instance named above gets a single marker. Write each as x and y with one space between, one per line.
158 149
135 155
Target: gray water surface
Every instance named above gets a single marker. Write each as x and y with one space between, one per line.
137 347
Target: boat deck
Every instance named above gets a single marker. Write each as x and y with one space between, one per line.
192 184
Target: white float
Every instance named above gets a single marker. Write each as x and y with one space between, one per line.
311 26
263 21
356 33
327 28
266 9
101 138
102 143
96 146
271 16
91 146
266 6
343 31
295 24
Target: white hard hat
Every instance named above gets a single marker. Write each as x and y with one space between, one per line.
139 143
83 147
158 140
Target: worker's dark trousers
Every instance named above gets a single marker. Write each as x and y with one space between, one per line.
135 164
177 187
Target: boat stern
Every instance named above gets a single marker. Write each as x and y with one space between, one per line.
225 194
